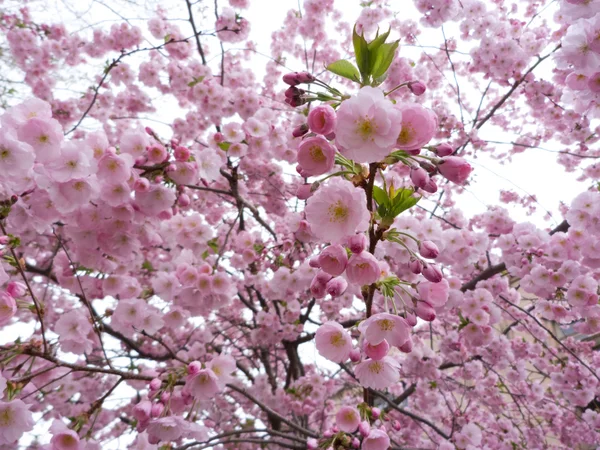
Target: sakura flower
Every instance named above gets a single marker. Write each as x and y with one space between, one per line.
166 429
419 124
337 210
347 419
73 329
44 135
8 307
376 440
363 268
157 199
114 169
316 156
333 342
209 163
222 366
63 438
16 157
19 114
15 419
134 143
435 294
203 385
379 374
367 126
74 162
378 327
376 352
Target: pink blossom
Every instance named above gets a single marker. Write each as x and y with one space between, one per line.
336 286
44 135
166 429
363 268
367 126
222 366
63 438
74 162
203 385
8 307
376 352
347 419
376 440
337 210
379 374
16 419
378 327
333 342
419 124
434 293
16 157
322 119
316 156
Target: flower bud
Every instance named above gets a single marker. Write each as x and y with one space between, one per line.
364 428
432 273
357 243
314 262
430 187
416 266
304 191
355 355
183 200
300 130
396 425
16 289
157 410
312 444
194 367
376 412
428 249
417 87
317 288
141 185
425 311
4 240
142 410
444 150
454 169
378 351
419 176
336 286
411 319
181 154
334 259
155 384
406 347
322 119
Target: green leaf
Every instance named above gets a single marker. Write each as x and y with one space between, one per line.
146 265
196 81
361 51
382 59
380 196
378 41
344 69
224 145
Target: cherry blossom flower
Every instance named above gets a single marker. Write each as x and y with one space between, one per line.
333 342
15 420
377 374
347 419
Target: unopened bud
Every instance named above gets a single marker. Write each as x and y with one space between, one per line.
417 87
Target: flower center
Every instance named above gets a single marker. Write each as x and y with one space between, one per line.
386 325
406 135
338 212
316 153
4 153
365 127
337 340
376 367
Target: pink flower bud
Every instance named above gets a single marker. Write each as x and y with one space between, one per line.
432 273
594 82
328 433
141 185
181 154
411 319
183 200
314 262
304 191
455 169
357 243
322 119
376 352
376 412
428 249
155 384
142 410
16 289
336 286
396 425
419 176
355 355
312 444
149 131
430 187
157 410
416 266
417 87
333 259
294 92
364 428
164 397
317 288
4 240
363 268
444 149
300 130
425 311
406 347
355 443
194 367
218 138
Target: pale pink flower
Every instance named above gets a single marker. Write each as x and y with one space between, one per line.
166 429
157 199
19 114
377 351
64 438
390 327
337 210
16 157
73 329
114 169
333 342
8 307
419 125
209 164
367 126
376 440
256 128
363 268
347 419
203 385
434 293
322 119
74 162
379 374
316 156
134 142
15 419
222 366
44 135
